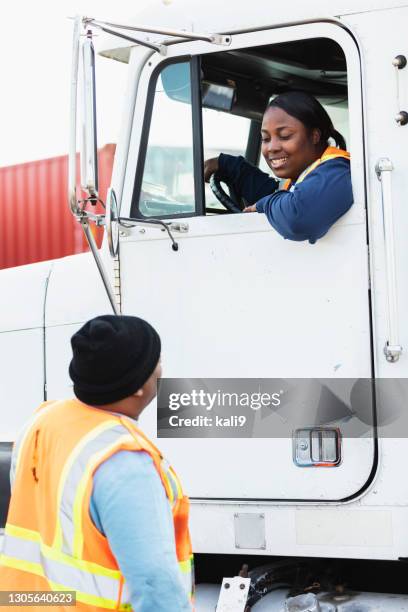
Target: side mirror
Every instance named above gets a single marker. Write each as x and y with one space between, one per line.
88 153
82 49
89 150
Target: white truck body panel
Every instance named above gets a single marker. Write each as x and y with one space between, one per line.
21 345
211 302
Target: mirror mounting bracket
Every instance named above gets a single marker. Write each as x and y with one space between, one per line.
175 35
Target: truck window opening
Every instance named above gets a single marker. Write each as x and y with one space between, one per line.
236 87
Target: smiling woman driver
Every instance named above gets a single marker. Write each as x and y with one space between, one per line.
295 144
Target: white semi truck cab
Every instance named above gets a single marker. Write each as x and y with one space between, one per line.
231 298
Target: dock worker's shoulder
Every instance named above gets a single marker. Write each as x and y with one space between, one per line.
47 404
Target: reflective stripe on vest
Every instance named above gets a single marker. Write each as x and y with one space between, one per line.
187 575
76 473
329 153
62 563
174 487
94 585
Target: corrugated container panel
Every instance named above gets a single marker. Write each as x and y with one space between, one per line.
35 221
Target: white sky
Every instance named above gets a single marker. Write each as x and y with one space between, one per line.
35 47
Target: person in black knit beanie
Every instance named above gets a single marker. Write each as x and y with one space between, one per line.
113 356
91 485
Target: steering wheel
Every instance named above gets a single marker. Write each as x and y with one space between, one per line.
221 196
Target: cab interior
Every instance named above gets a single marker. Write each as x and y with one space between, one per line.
214 103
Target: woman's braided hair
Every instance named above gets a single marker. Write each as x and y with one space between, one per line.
310 112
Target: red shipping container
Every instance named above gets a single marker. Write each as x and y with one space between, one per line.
35 221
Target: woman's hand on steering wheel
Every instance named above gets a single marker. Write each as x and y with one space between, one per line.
210 167
232 204
250 208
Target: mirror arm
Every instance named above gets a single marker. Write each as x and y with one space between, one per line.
159 48
84 221
217 39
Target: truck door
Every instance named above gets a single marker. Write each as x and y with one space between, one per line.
237 300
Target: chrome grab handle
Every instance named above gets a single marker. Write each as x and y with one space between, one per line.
392 348
72 187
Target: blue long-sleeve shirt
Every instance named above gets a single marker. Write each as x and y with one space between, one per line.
307 211
129 506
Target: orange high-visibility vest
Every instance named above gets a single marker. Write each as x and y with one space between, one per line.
329 153
50 541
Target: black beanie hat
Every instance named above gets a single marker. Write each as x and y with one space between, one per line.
113 358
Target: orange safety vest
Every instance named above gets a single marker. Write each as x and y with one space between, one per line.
329 153
50 541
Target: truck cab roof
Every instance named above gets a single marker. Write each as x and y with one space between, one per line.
190 15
